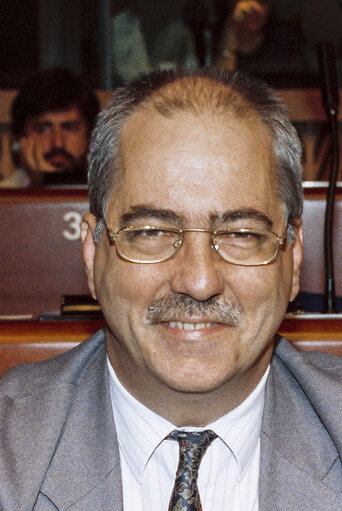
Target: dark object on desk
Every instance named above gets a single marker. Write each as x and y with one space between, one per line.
81 306
312 302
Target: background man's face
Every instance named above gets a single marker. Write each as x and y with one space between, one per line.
194 169
62 137
252 14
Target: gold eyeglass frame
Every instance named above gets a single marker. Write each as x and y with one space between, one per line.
178 244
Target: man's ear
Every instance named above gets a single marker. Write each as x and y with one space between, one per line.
88 246
297 254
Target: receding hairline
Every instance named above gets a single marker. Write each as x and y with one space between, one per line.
206 91
196 94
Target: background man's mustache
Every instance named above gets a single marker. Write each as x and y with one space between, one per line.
214 310
59 152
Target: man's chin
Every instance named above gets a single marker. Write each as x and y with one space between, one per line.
61 164
61 168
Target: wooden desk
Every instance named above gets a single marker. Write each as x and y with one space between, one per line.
27 341
314 334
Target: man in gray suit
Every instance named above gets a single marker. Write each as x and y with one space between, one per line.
192 247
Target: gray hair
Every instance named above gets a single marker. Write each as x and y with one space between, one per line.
169 92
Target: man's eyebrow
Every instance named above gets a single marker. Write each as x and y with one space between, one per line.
39 124
140 212
242 214
71 122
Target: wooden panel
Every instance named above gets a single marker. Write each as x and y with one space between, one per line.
6 98
28 341
34 331
31 341
314 334
305 105
312 272
40 256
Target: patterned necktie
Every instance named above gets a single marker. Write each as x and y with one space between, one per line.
192 446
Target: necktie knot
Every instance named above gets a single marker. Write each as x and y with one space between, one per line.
192 446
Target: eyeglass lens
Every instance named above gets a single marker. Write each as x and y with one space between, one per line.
155 244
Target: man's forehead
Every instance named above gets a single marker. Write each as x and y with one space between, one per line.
218 124
202 189
68 114
209 130
194 143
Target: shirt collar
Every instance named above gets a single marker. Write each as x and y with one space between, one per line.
140 430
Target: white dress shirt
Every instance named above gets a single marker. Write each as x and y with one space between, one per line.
229 472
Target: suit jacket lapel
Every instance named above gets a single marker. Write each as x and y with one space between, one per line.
31 429
58 432
85 470
300 467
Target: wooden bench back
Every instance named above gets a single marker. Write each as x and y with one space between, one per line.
40 256
41 259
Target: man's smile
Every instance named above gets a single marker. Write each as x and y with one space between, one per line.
180 325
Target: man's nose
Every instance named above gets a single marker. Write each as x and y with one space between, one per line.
198 269
57 137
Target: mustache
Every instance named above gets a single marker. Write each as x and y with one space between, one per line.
214 310
59 152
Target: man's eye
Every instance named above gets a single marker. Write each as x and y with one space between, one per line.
243 239
150 233
151 236
244 235
41 129
71 126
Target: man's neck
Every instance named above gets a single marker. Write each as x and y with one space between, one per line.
190 408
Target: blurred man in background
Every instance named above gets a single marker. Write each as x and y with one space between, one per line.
250 36
52 118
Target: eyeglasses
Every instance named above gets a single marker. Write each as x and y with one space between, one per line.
151 244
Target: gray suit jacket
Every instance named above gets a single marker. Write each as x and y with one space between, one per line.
58 446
